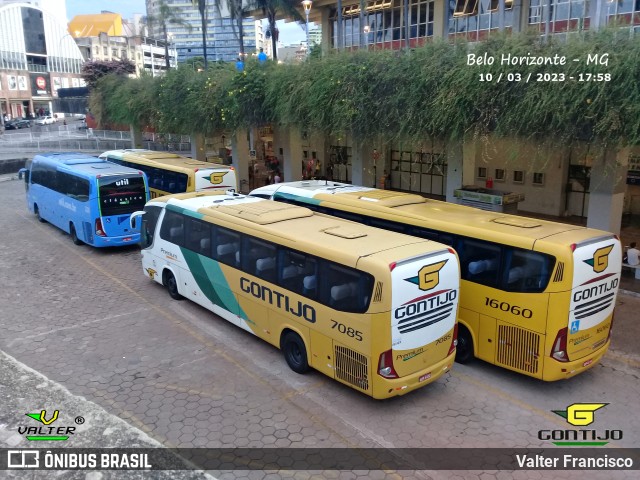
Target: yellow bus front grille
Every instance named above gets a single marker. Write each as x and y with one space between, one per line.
352 367
518 348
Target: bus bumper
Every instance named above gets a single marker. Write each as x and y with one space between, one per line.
390 388
116 241
554 370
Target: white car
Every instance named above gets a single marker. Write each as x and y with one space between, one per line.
48 120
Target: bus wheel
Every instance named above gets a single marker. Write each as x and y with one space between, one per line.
295 352
74 236
464 349
172 286
37 211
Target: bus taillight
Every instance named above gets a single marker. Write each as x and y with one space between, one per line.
454 340
385 365
559 350
99 229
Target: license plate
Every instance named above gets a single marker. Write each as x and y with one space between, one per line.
588 362
424 377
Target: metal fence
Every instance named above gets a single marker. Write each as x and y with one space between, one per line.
70 137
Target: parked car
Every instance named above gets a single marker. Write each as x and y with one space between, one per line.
47 120
17 124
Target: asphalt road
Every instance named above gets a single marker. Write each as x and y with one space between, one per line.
91 322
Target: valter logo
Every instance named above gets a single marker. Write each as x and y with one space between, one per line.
47 431
580 415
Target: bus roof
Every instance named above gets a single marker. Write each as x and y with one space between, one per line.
83 163
151 157
459 219
291 222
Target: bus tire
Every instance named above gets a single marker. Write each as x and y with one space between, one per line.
37 212
170 282
295 353
74 235
464 349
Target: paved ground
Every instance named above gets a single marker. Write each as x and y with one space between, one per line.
91 322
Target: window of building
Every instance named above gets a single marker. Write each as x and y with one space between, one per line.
105 51
114 52
476 19
383 19
499 175
482 172
538 178
518 176
563 15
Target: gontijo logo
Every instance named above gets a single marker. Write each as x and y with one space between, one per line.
215 178
429 276
600 260
580 415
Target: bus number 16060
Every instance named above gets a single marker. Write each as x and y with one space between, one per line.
507 307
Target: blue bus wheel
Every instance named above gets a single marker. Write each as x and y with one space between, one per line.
74 236
37 211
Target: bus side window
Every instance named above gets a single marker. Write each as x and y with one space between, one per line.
149 223
387 225
527 271
343 288
297 273
198 238
173 228
259 258
432 235
227 246
480 262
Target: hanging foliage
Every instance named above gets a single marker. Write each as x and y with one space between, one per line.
437 90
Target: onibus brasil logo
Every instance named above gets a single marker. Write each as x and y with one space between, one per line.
46 432
580 415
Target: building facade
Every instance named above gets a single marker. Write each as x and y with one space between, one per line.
37 57
554 181
222 32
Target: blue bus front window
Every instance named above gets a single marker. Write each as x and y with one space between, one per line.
121 194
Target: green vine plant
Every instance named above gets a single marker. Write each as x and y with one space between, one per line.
429 92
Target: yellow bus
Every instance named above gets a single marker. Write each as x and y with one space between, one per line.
170 173
537 297
376 310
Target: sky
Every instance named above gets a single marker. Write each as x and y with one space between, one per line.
290 33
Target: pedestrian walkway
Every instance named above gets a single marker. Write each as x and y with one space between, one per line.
24 390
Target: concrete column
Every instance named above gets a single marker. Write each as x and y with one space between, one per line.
136 137
290 141
440 19
198 151
240 148
360 163
325 44
455 161
607 188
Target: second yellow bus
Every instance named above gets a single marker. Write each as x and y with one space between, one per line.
170 173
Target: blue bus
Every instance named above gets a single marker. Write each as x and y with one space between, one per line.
87 197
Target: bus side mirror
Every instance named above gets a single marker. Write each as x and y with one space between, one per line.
22 171
133 220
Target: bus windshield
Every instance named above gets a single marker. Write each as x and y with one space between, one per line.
121 194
